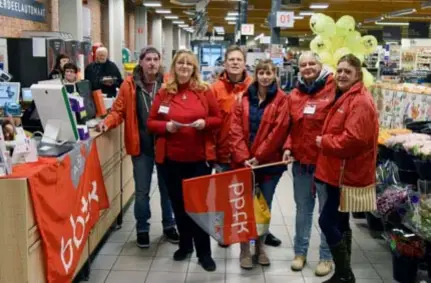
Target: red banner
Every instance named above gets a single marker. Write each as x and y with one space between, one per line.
67 198
222 205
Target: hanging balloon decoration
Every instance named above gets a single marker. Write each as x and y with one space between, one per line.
336 39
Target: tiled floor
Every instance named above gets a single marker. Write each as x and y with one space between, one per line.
120 261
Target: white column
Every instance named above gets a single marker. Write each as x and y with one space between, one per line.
168 43
183 42
116 31
141 37
176 40
157 33
70 17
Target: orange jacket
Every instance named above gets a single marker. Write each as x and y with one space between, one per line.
349 141
124 109
267 146
306 127
226 93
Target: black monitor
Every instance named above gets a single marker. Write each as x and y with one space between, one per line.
84 89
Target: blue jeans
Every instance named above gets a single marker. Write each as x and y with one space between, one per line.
303 178
267 188
332 222
143 166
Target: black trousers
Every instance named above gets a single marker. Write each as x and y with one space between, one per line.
332 222
173 174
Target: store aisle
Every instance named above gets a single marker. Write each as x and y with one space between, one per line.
121 261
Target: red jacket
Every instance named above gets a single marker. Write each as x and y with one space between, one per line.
226 94
349 141
306 127
186 106
273 129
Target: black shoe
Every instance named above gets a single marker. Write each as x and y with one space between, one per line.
181 255
223 246
272 241
343 270
143 240
208 263
171 235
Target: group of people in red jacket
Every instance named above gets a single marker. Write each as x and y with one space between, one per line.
327 126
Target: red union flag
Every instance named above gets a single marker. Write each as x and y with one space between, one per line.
67 199
222 205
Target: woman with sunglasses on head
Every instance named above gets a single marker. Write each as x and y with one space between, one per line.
184 117
258 130
347 162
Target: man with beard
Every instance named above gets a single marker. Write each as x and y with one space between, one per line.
104 74
132 106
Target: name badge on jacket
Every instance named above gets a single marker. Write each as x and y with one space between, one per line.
310 109
163 109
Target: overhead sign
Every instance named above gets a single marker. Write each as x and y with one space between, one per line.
285 19
419 29
247 29
391 33
23 9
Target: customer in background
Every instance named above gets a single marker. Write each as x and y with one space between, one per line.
258 130
347 161
184 118
133 106
70 73
228 88
58 71
309 105
104 74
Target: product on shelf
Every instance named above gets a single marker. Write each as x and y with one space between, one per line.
385 134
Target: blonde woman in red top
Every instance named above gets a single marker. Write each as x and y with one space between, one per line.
184 117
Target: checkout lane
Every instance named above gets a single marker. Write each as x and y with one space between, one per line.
58 207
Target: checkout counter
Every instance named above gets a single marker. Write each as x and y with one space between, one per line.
23 258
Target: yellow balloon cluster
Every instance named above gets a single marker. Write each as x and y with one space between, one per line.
335 39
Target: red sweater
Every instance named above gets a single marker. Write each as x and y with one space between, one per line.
188 144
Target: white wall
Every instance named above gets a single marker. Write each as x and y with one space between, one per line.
168 43
116 31
70 17
141 39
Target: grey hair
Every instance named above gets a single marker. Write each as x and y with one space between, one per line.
311 54
102 50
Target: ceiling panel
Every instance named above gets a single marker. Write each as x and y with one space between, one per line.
260 9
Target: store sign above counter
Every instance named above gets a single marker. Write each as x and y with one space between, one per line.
23 9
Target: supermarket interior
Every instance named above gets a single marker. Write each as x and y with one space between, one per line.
80 145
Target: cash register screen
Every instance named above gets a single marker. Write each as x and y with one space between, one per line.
9 93
26 95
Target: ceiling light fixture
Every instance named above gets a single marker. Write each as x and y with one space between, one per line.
178 22
400 13
230 18
319 6
391 24
163 11
171 17
298 17
259 37
152 4
372 20
306 13
183 26
231 23
232 14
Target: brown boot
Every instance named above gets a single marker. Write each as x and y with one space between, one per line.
245 258
260 254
